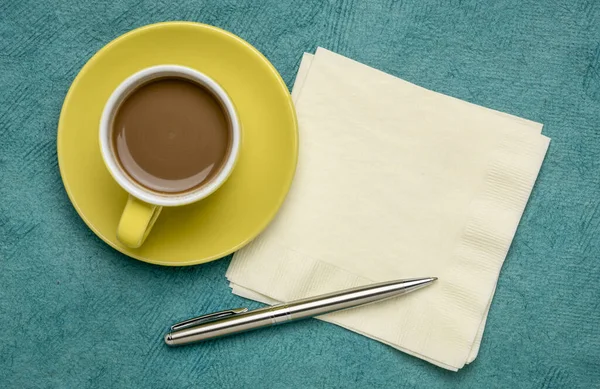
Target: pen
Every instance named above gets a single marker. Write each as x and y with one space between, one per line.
238 320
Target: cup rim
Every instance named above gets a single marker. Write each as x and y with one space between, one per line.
127 183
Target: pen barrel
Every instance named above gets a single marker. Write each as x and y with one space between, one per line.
296 310
350 298
242 322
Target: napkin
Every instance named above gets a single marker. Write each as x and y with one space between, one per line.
298 83
396 181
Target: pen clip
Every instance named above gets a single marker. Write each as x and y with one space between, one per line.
207 318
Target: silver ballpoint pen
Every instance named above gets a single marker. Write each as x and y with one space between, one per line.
233 321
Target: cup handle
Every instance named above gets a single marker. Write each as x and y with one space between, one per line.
136 222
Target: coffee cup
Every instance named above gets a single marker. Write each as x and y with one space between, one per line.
169 136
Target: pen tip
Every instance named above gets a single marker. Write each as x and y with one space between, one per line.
168 339
433 279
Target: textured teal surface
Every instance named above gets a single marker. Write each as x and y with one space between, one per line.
75 313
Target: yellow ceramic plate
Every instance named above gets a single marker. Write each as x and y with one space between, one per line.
245 204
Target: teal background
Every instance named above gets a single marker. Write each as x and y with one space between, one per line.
75 313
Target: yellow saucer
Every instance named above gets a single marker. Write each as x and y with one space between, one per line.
245 204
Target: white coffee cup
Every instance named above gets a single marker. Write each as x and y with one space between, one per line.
144 205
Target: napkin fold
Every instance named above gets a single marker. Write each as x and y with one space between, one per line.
396 181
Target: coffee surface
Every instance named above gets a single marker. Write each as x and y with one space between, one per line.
171 135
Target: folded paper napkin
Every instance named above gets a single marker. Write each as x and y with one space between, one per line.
396 181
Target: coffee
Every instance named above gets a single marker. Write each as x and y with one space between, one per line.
171 135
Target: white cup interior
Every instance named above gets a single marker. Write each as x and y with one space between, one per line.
108 154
